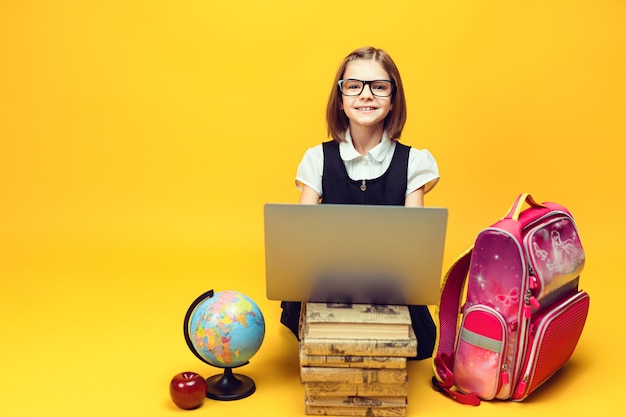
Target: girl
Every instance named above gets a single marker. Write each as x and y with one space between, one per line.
365 163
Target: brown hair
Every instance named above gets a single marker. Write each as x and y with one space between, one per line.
337 121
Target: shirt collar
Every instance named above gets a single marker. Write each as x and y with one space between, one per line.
378 152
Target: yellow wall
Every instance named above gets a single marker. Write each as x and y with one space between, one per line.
140 140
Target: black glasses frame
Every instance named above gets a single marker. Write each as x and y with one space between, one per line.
339 86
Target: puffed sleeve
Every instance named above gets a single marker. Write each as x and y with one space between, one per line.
310 169
422 171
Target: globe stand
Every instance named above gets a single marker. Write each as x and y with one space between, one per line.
229 386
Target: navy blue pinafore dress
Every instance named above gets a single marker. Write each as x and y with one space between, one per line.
388 189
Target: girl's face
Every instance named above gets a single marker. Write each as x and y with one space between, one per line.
366 110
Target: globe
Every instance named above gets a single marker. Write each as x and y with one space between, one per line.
225 329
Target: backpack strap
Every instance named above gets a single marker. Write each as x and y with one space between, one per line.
449 308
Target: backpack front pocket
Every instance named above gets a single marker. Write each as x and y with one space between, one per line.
480 353
553 336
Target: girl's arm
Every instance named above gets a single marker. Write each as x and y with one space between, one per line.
415 199
308 196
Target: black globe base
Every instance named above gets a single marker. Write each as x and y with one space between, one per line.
229 386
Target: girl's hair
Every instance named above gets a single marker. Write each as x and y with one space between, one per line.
337 121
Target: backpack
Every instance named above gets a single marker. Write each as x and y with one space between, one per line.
523 312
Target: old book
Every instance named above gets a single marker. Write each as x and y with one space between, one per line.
322 410
377 362
314 410
354 321
356 406
339 389
352 375
358 401
405 347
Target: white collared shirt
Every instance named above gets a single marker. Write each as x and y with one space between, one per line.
422 171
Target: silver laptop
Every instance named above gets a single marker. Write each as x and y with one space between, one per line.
354 253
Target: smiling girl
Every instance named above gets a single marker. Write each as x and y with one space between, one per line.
364 163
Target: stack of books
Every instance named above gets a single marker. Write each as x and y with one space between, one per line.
353 358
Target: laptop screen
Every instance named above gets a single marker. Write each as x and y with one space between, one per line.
354 253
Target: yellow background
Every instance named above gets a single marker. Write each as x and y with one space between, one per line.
140 140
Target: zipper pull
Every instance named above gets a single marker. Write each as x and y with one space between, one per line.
533 284
505 375
533 302
530 300
520 391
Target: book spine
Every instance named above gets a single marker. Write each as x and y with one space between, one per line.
321 410
354 314
377 362
357 401
334 389
360 347
353 375
356 331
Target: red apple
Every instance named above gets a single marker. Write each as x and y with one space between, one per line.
188 390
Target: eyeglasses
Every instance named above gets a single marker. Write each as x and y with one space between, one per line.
380 88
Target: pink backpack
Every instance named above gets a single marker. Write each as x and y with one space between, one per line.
523 312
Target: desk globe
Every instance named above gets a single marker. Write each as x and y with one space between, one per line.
225 329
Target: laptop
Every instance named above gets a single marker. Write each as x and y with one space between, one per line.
354 253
